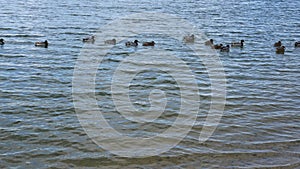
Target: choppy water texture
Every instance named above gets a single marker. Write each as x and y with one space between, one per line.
260 124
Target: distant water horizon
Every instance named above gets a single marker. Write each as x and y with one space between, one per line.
260 123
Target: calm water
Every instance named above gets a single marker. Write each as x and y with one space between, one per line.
259 128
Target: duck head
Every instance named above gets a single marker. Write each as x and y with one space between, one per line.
46 43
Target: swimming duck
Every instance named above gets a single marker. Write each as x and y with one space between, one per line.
110 42
209 42
217 46
41 44
2 42
134 43
189 38
277 44
238 44
152 43
89 39
225 48
280 50
297 44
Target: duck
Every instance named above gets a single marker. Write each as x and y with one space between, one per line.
225 48
277 44
189 38
280 50
110 42
217 46
41 44
2 42
238 44
297 44
134 43
209 42
89 39
152 43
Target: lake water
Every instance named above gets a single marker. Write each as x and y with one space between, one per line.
260 124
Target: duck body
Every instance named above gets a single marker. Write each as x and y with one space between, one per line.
297 44
209 42
89 39
152 43
110 42
238 44
41 44
277 44
217 46
189 39
134 43
225 49
2 42
280 50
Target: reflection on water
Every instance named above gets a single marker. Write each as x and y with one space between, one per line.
260 125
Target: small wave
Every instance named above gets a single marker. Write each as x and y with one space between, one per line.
12 55
21 35
4 29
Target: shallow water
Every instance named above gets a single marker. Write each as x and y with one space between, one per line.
260 124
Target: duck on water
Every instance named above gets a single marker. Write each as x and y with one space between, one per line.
280 50
111 41
217 46
238 44
134 43
2 42
225 48
41 44
152 43
277 44
209 42
89 39
189 38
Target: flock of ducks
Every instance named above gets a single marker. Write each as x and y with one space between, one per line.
280 49
223 48
114 41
